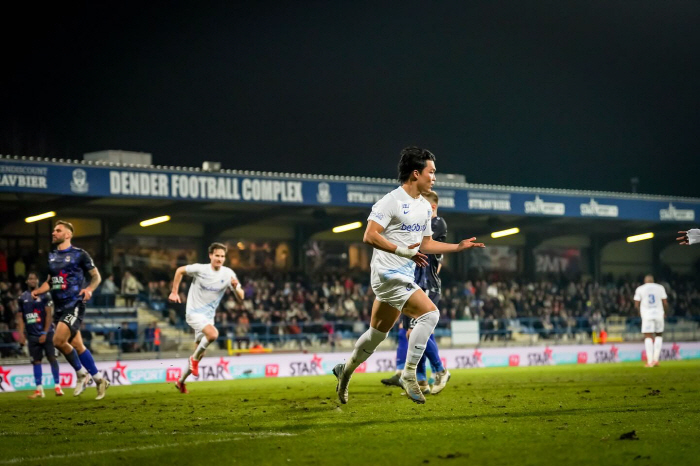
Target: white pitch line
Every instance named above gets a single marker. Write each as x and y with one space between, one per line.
230 436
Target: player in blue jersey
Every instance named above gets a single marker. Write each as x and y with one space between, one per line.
36 329
429 281
68 268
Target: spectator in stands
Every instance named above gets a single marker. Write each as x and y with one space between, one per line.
130 288
148 337
242 331
20 269
156 338
8 346
108 290
3 265
128 337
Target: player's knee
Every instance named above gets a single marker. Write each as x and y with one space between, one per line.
36 363
59 340
430 318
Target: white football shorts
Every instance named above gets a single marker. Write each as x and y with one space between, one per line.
653 325
395 290
198 322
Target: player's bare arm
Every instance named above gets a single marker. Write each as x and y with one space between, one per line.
47 323
238 292
95 280
430 246
44 288
20 328
174 295
374 238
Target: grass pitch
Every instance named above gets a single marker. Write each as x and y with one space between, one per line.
526 416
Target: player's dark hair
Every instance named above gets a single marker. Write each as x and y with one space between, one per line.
65 224
33 273
413 158
214 246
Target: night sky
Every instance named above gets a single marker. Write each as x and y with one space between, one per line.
581 95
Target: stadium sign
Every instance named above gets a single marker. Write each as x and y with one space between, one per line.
78 179
679 215
538 206
599 210
21 377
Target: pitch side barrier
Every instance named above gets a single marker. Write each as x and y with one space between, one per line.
16 378
100 179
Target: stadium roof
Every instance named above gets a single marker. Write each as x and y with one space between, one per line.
355 179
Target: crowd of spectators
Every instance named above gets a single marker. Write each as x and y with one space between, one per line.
289 304
286 305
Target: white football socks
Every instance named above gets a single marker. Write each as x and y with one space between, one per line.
203 343
425 325
649 347
658 341
364 347
186 373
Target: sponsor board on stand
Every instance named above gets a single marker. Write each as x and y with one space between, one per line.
679 215
594 209
21 377
540 207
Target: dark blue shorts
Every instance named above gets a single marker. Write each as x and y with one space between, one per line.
38 350
71 315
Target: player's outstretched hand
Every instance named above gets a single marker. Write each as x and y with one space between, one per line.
683 239
469 243
34 294
86 293
420 259
234 283
174 297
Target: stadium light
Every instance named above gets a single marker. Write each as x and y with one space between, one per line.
36 218
349 226
642 237
155 221
508 232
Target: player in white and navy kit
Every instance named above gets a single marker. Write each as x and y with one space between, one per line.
689 237
398 224
650 301
209 284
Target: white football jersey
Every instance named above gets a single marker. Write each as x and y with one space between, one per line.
649 296
207 288
406 221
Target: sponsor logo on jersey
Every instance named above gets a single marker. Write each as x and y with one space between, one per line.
413 227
